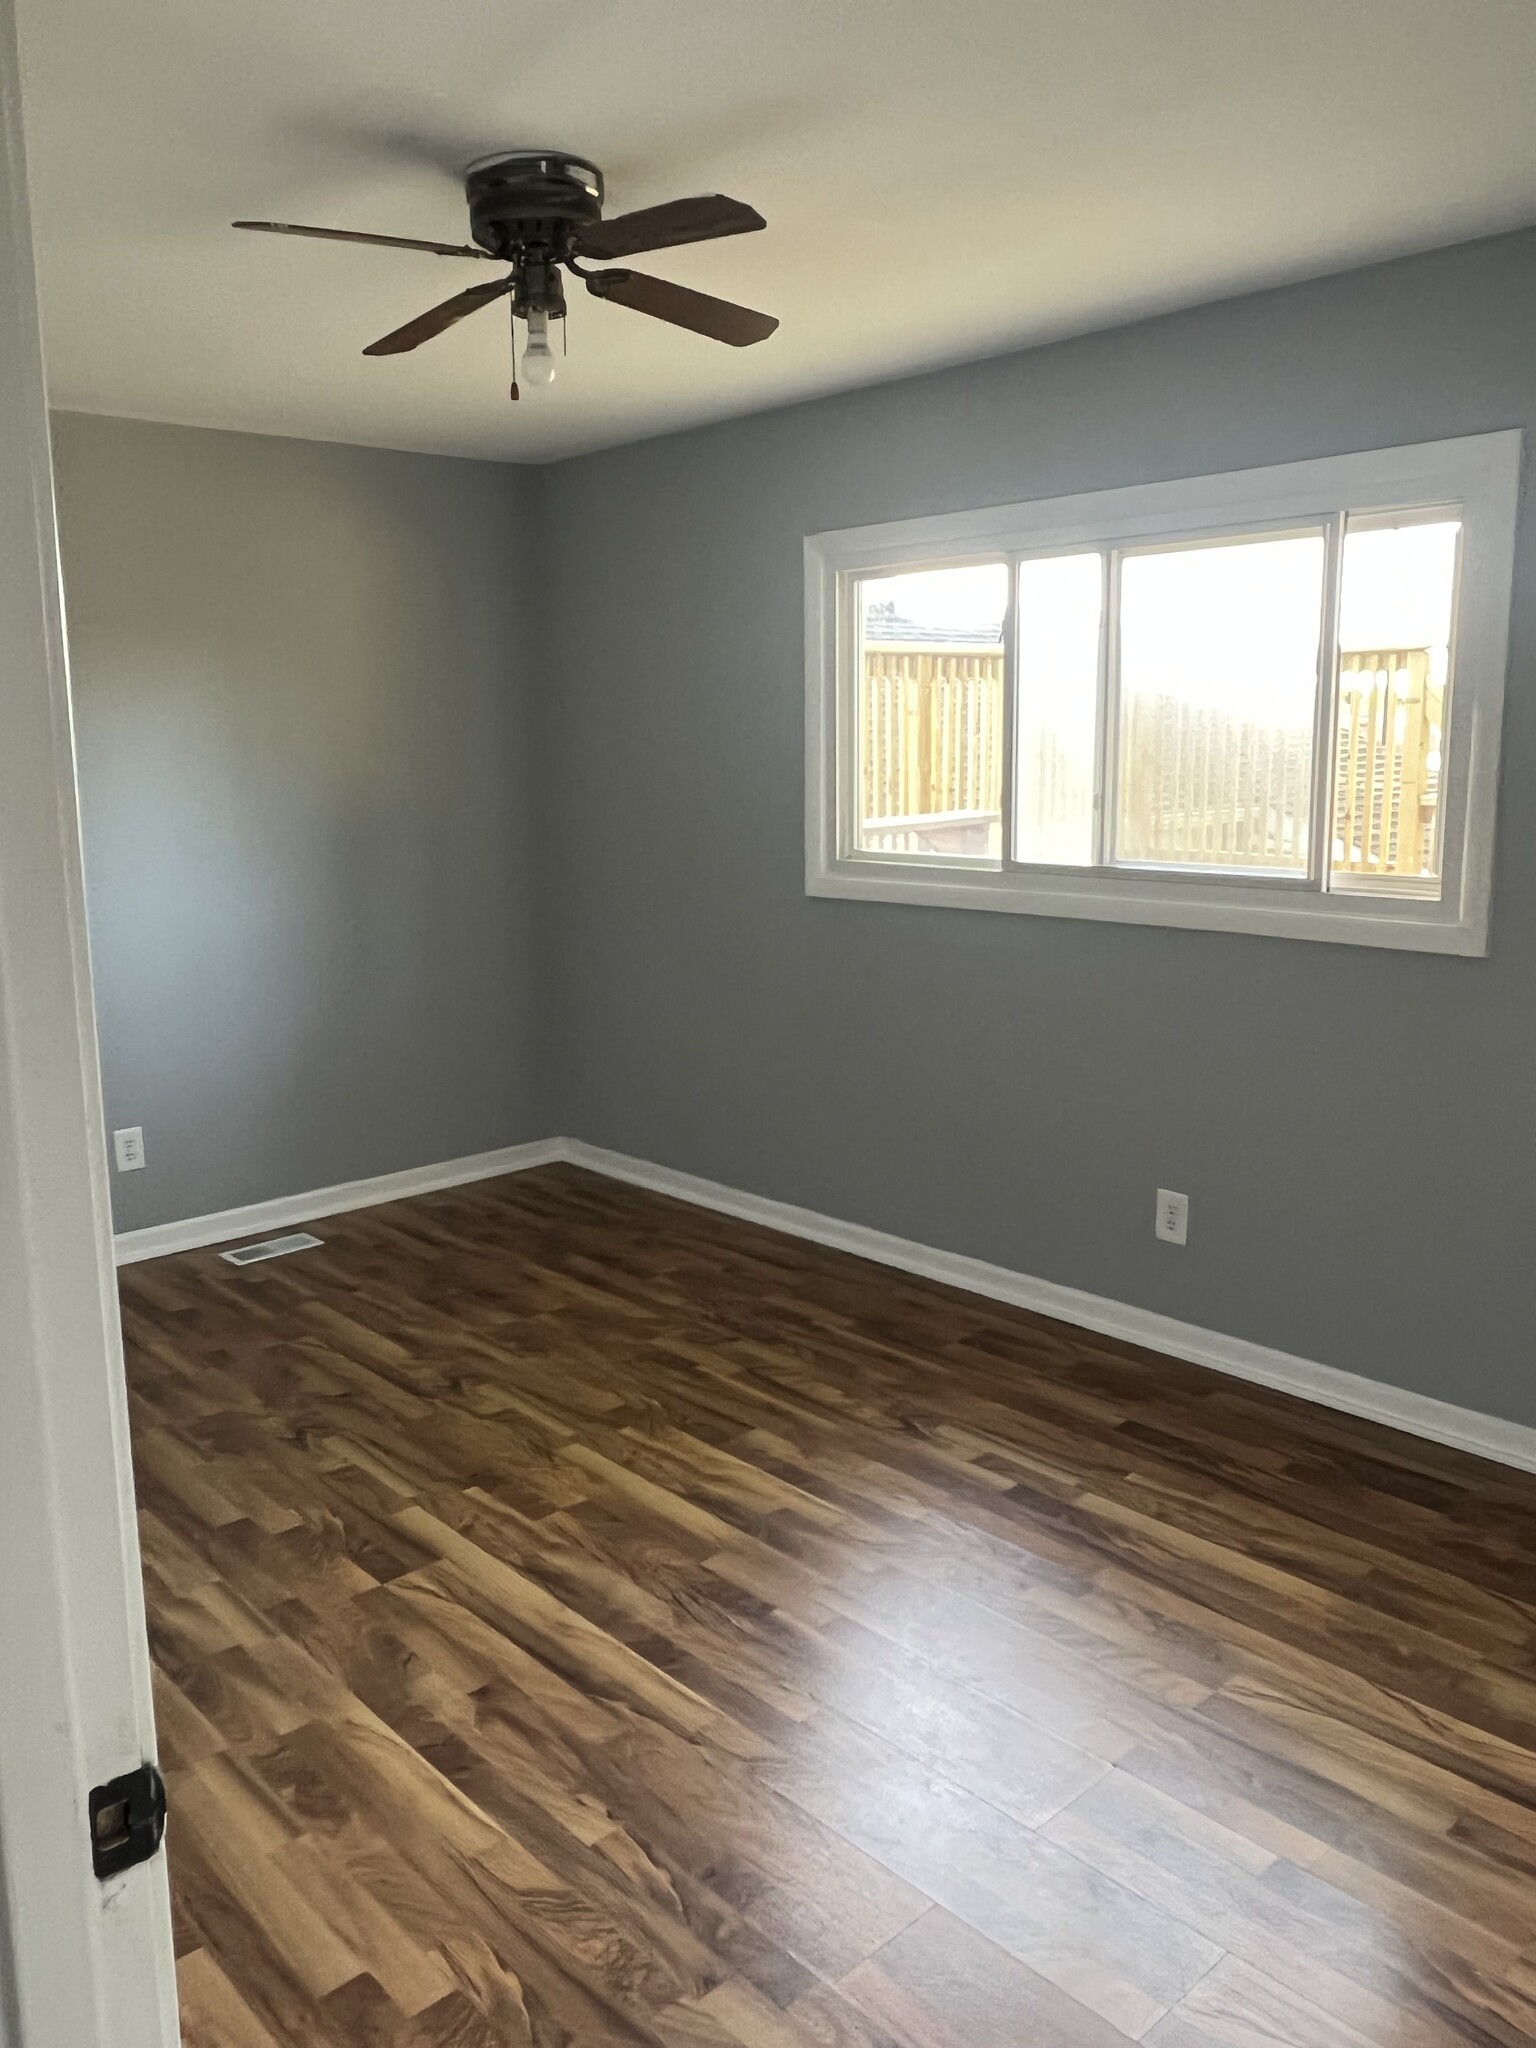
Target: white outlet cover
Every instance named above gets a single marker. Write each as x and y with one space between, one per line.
128 1148
1172 1220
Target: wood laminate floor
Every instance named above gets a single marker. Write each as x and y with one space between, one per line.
581 1619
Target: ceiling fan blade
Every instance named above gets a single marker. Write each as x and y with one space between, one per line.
425 325
718 318
284 227
663 227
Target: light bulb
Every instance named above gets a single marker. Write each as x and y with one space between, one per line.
539 364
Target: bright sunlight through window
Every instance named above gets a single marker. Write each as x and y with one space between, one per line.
1225 702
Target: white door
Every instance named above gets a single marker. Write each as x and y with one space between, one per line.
83 1963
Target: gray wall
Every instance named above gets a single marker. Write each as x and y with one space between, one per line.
431 806
302 706
1356 1130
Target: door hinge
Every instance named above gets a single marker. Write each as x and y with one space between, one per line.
127 1820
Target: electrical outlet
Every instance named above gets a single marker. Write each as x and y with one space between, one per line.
1172 1223
128 1147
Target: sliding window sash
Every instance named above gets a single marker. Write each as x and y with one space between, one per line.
1479 474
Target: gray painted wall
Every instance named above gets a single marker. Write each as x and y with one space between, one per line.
374 885
302 712
1356 1130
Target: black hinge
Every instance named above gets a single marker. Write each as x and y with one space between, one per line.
127 1820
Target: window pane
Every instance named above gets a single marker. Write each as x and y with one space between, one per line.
1218 692
931 711
1057 717
1395 607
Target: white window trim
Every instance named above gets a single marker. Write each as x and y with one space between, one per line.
1481 473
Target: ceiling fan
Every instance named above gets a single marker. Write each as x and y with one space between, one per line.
541 212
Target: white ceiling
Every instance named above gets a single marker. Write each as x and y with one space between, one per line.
941 178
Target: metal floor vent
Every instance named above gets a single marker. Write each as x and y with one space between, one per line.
272 1248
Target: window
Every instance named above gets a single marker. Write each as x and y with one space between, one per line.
1267 701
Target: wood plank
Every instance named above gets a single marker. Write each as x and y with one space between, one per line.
582 1618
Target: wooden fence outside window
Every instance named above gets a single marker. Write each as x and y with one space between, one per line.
1201 787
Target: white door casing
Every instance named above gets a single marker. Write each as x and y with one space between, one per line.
82 1964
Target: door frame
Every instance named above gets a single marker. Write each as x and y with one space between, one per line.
84 1962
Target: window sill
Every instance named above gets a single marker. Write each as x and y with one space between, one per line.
1407 924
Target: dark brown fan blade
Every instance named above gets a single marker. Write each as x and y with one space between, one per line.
425 325
284 227
717 318
663 227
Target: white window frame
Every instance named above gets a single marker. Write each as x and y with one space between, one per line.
1480 475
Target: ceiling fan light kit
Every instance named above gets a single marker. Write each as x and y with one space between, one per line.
541 212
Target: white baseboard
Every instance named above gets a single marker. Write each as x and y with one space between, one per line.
1487 1436
285 1211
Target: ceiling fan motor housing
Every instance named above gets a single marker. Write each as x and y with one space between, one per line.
530 198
